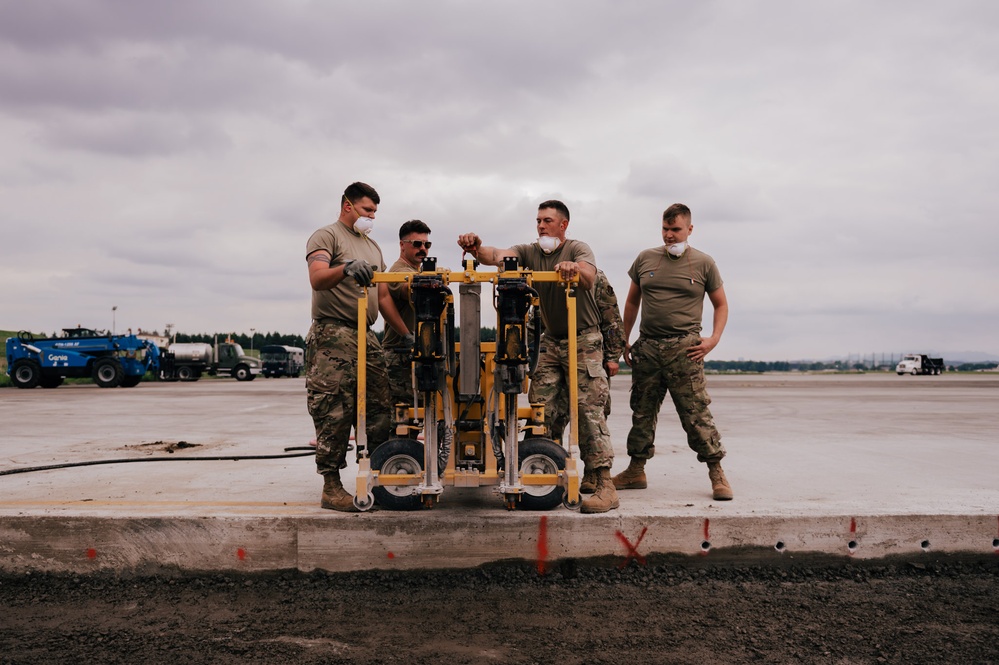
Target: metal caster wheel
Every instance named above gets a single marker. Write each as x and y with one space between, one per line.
364 504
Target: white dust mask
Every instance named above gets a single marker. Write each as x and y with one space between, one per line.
677 249
549 244
364 225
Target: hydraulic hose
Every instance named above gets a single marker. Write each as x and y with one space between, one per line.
235 458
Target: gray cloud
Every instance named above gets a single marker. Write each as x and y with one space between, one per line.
172 158
134 136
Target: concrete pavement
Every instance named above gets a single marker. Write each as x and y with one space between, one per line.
861 466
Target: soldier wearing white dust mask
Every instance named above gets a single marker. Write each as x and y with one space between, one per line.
342 260
669 283
550 384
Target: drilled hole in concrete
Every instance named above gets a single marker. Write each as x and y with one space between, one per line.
779 546
995 543
925 545
852 545
705 546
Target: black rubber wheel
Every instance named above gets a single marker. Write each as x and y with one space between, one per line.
51 381
185 373
393 457
541 456
131 381
25 373
242 373
108 373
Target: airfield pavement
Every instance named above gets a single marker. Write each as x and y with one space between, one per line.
858 466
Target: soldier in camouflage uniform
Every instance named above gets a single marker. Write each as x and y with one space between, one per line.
553 252
342 260
612 332
414 242
611 328
669 283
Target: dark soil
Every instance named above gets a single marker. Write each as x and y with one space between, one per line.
665 612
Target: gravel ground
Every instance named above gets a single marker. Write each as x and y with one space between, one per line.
678 611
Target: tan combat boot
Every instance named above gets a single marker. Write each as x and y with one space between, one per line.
720 489
632 478
335 497
589 483
605 498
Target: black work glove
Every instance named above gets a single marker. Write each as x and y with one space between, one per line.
361 271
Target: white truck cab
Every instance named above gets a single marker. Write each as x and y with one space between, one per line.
917 363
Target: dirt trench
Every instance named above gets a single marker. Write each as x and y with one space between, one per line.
663 612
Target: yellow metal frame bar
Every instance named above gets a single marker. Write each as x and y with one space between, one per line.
568 478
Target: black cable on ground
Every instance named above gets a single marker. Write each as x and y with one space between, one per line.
236 458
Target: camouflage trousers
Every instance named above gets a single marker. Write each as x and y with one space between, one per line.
558 426
550 386
400 376
331 382
660 366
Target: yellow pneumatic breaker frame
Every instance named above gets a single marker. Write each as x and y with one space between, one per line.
465 399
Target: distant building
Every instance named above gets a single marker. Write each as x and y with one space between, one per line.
162 341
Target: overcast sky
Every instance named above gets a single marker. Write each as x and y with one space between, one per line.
840 158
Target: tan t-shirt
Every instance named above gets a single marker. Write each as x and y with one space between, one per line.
344 244
673 290
553 302
400 295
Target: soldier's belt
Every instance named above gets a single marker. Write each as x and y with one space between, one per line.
677 336
581 332
333 320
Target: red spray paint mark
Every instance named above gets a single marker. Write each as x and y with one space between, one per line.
241 554
852 545
391 555
91 553
707 523
632 549
542 543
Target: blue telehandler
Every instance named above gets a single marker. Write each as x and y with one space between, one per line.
110 360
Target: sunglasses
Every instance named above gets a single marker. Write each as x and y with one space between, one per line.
419 244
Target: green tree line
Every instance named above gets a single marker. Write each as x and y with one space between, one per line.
244 340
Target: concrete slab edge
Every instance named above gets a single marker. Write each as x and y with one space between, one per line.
397 541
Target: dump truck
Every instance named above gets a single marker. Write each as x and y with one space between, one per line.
110 360
279 360
918 363
189 361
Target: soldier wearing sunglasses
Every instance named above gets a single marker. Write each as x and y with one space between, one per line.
414 244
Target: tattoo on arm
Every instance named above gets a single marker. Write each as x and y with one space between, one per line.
319 257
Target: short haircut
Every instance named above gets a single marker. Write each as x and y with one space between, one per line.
555 205
357 191
413 226
676 210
